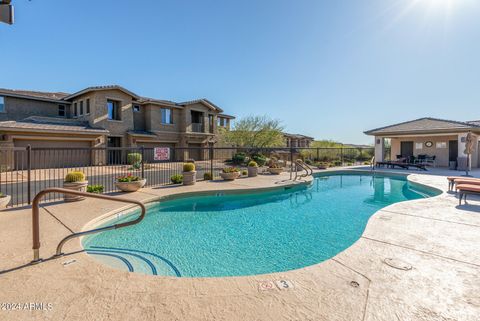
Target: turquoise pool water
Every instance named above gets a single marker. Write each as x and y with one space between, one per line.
233 235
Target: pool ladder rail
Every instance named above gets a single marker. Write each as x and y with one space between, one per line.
308 170
36 218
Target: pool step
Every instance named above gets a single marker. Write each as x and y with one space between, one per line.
134 260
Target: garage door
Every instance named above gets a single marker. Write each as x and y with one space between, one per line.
56 154
149 150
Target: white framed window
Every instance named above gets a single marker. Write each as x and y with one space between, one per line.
2 104
441 144
136 108
418 145
167 116
75 110
81 107
87 107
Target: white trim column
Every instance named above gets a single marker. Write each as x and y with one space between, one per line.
379 148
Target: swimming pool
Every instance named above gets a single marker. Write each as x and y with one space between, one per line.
256 233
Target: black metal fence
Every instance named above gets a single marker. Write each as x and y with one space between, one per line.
26 171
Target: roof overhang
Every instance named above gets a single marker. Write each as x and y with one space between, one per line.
9 94
53 131
439 132
204 102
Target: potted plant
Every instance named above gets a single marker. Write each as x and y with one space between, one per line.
252 169
189 174
130 183
275 169
4 200
230 173
75 181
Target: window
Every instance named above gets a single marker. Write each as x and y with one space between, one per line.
222 122
418 145
75 111
2 104
113 112
81 108
88 107
136 108
167 116
441 144
61 110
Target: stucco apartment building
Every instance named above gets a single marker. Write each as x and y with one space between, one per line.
106 116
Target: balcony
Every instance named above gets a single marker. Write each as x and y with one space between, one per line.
197 128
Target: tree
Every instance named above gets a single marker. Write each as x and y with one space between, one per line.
255 131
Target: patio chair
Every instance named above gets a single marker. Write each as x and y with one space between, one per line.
467 189
421 158
431 160
459 180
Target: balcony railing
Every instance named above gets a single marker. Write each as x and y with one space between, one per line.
197 127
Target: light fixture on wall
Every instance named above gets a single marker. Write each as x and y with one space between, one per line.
428 144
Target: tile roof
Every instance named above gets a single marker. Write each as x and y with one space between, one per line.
106 87
51 124
201 101
297 136
424 125
34 94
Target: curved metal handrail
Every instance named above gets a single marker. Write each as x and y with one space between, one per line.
308 170
36 218
305 167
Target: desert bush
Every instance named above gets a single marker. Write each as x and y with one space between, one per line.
177 179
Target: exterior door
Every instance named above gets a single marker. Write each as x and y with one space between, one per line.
452 150
406 149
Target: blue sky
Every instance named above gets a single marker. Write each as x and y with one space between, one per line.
329 69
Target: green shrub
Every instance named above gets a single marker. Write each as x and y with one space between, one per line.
230 170
308 161
188 167
244 173
260 159
134 158
135 166
366 163
207 176
177 179
97 189
73 177
252 164
337 163
239 158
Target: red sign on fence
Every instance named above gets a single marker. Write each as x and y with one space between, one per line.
161 153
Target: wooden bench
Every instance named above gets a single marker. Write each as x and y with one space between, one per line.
467 189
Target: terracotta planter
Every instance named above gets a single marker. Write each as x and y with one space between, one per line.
4 201
275 171
131 186
252 171
189 178
75 186
230 176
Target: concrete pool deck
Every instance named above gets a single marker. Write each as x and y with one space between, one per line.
416 260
